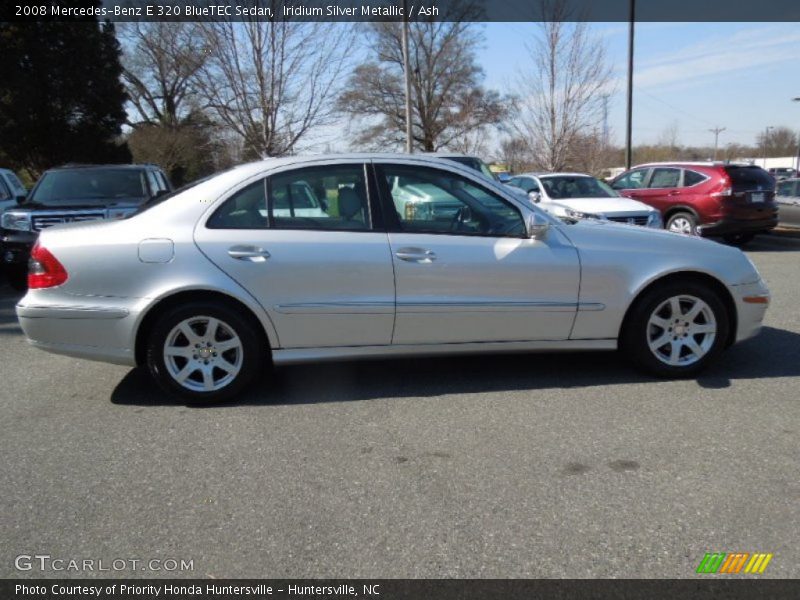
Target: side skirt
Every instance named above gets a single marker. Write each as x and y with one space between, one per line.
307 355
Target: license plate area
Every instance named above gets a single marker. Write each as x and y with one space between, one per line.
756 198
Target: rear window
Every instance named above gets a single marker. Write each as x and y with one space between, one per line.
745 179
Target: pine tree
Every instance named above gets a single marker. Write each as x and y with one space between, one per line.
61 97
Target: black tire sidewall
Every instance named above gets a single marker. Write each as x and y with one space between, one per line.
634 337
253 361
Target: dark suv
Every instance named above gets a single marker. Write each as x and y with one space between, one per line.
734 201
69 194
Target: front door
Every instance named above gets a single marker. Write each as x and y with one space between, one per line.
465 270
302 243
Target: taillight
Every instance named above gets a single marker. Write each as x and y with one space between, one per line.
44 270
726 190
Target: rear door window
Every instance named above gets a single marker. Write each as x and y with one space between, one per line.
746 179
665 178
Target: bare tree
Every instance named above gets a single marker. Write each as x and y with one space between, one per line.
272 81
561 93
448 103
514 153
160 62
781 141
669 138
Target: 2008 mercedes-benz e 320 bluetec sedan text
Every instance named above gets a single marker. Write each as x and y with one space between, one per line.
308 259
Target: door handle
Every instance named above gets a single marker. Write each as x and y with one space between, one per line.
419 255
248 253
674 193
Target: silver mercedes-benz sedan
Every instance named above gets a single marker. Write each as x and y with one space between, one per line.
320 258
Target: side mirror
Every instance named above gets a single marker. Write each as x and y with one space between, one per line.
535 196
21 198
537 226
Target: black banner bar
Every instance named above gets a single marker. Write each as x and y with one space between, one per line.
713 587
397 10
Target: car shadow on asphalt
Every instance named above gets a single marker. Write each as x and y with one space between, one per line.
773 353
8 316
776 241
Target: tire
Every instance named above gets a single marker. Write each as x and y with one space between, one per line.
205 366
682 222
738 239
653 320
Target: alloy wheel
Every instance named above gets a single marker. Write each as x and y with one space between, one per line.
681 225
681 330
203 354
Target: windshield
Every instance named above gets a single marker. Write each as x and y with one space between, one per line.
563 186
473 163
68 186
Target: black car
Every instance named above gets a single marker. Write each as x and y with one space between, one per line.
69 194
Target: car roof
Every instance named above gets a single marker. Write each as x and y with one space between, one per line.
424 157
546 174
450 155
697 163
71 166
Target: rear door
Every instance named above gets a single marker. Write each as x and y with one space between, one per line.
475 277
663 188
307 243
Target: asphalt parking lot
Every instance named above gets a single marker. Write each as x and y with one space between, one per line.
506 466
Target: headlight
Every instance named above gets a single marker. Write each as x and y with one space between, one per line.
120 213
575 214
654 220
19 221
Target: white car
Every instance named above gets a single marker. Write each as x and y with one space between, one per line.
581 196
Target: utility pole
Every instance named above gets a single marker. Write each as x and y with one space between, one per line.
766 139
629 123
716 131
798 142
605 120
407 73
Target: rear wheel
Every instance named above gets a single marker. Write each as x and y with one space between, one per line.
738 239
204 352
682 222
676 329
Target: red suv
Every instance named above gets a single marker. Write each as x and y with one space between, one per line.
734 201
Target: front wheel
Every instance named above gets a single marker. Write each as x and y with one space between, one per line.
676 330
205 352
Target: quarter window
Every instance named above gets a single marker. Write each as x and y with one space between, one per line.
665 178
328 198
691 178
246 209
432 201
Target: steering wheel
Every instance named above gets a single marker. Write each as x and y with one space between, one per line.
459 218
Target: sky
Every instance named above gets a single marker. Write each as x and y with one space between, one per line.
691 76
